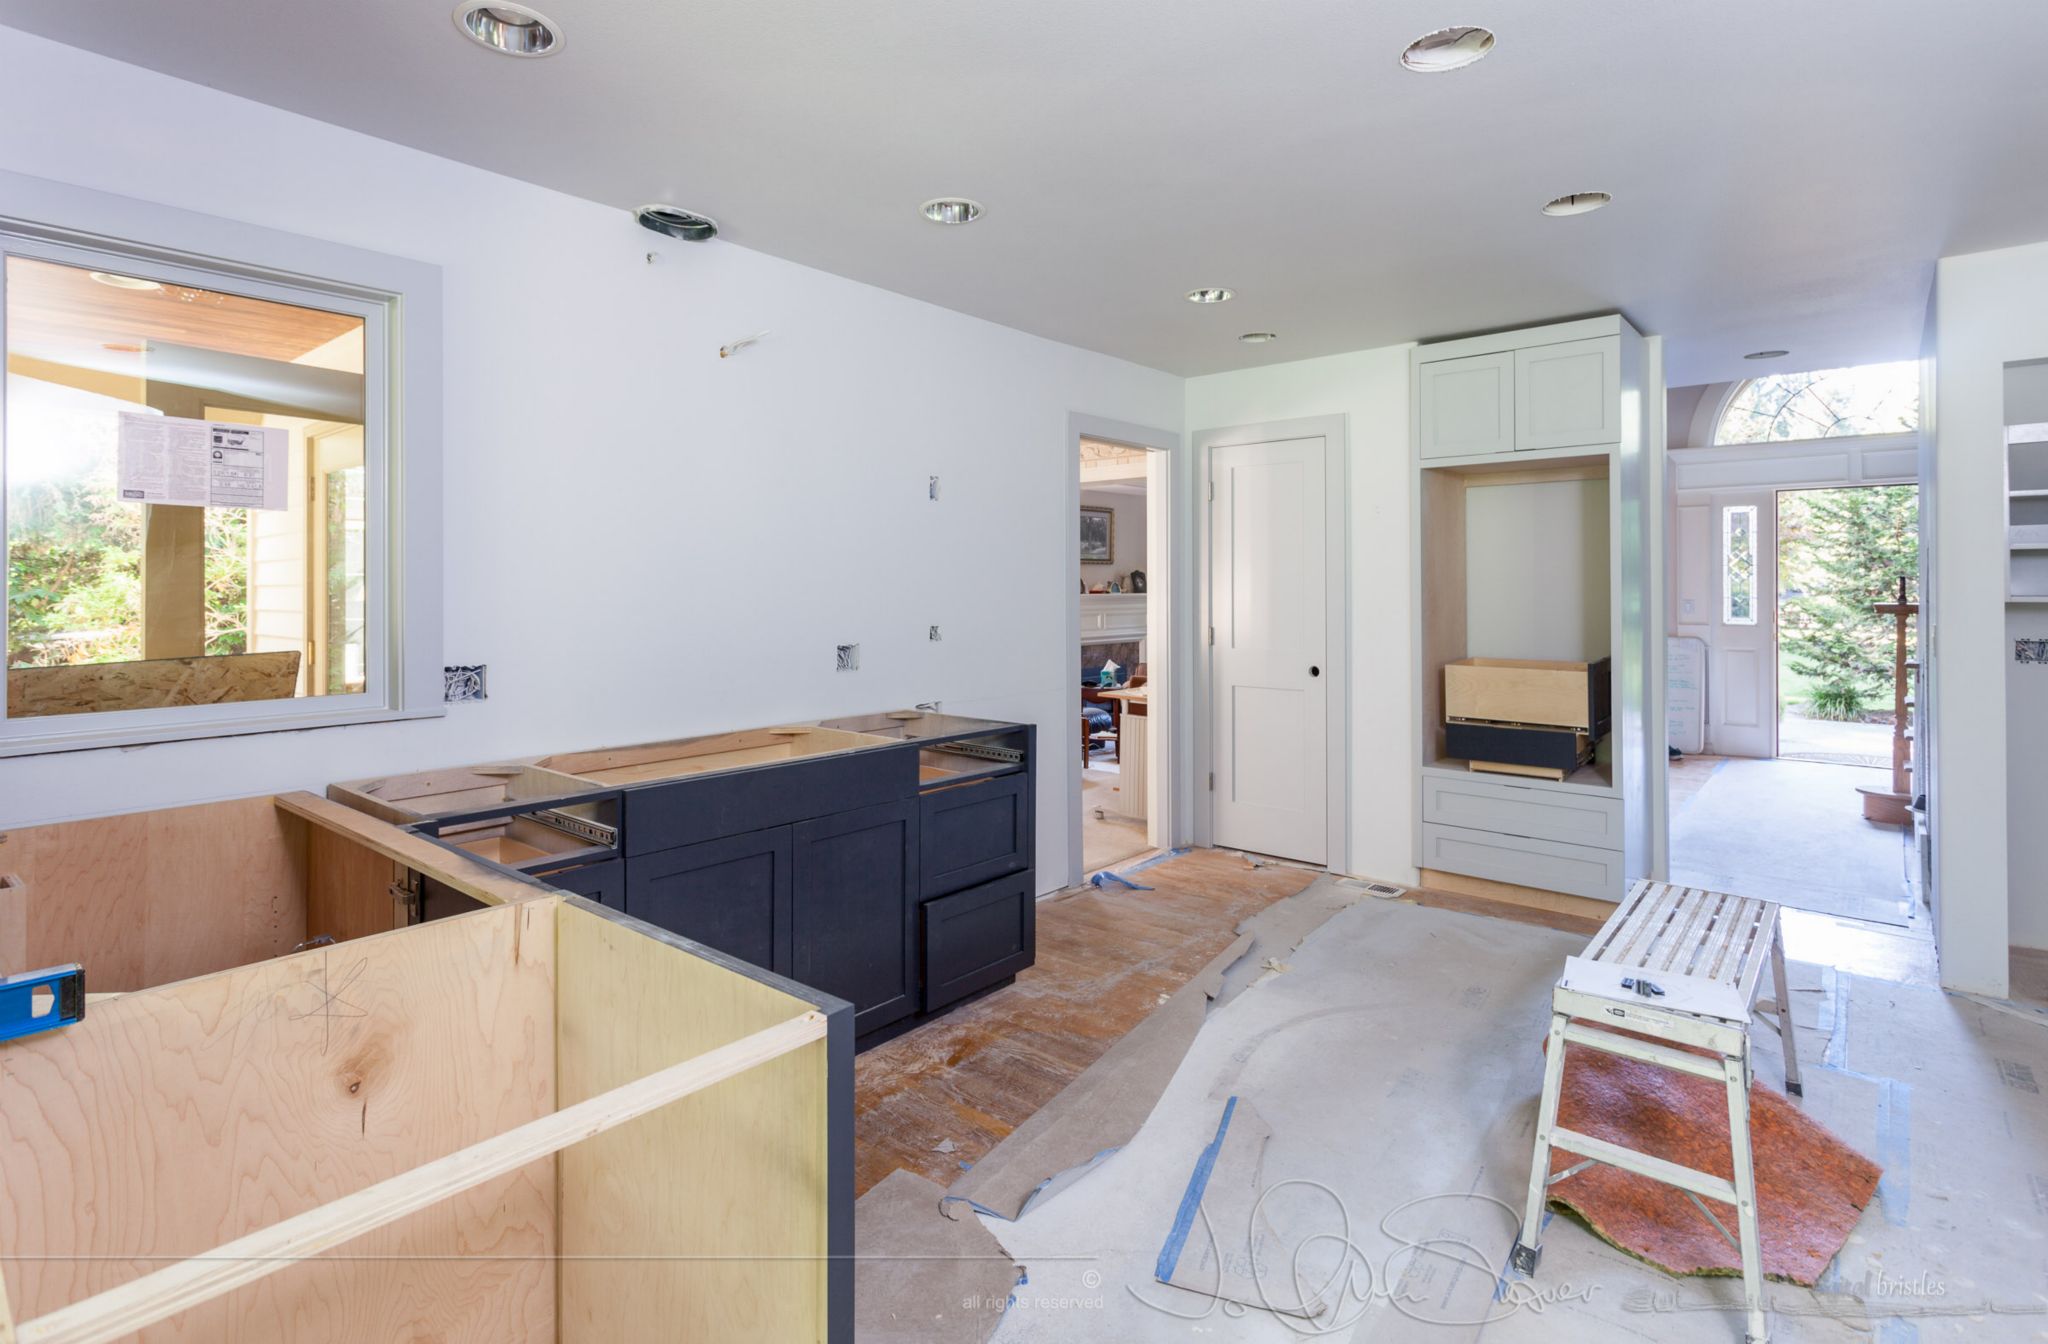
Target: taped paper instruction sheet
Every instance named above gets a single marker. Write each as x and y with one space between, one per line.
165 459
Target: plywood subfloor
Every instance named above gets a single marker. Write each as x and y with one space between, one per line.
1106 958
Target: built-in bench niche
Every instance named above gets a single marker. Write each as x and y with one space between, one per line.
1517 563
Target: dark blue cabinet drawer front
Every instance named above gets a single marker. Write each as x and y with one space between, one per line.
731 894
686 811
603 882
978 937
971 833
856 877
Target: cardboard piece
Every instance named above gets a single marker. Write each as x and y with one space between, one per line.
921 1277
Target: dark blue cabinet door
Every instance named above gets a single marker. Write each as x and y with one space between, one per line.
603 882
855 907
731 894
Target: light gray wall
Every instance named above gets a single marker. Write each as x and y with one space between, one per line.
1536 569
2026 715
704 529
1130 534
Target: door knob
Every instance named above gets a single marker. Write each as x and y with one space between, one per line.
1315 671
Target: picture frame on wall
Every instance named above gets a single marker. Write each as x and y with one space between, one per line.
1098 536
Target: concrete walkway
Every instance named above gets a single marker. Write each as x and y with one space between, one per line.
1801 738
1792 832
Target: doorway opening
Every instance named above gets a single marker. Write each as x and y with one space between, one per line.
1122 499
1793 652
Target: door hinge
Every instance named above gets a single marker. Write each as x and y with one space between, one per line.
1212 781
1212 490
1212 634
408 900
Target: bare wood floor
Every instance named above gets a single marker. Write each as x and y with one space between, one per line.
1106 958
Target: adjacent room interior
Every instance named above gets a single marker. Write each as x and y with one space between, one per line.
654 695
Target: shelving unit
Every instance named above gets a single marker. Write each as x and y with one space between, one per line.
1530 499
2026 513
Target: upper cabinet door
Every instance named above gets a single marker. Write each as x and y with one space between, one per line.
1568 396
1465 407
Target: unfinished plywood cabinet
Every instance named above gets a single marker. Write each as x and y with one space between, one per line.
542 1121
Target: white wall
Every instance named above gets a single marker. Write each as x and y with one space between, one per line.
2026 715
1990 310
1537 577
1369 388
642 539
1130 534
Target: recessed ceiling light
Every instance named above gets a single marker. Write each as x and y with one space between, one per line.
1578 203
1447 49
1259 337
1767 354
512 30
1211 295
951 210
676 222
123 281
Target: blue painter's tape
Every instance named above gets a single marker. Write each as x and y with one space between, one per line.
1106 878
1895 1150
1191 1199
1893 1330
1838 1043
1156 858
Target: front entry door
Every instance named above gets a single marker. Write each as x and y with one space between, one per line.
1742 678
1270 700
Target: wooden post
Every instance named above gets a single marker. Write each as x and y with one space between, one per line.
1893 809
173 581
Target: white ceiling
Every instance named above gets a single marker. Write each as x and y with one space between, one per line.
1784 174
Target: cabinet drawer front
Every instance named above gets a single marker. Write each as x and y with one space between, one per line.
973 833
1540 814
1579 870
1465 406
685 811
975 938
1569 395
731 894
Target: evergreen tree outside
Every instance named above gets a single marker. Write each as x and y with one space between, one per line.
1840 553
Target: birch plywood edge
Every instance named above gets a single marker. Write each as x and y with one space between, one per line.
465 875
180 1118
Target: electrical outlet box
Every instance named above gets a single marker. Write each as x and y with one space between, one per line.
463 683
934 635
849 658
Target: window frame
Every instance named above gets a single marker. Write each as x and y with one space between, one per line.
399 301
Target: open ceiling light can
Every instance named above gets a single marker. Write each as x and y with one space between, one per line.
676 222
951 210
1577 203
509 30
1215 294
1447 49
1767 354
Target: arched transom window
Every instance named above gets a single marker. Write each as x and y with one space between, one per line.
1831 404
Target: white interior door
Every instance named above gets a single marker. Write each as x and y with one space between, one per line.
1742 677
1270 694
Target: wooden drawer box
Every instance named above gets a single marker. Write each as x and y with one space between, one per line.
978 937
1579 870
1523 692
1539 814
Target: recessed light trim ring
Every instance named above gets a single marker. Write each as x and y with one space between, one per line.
951 210
508 29
1212 294
1259 337
1448 49
1577 203
1767 354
